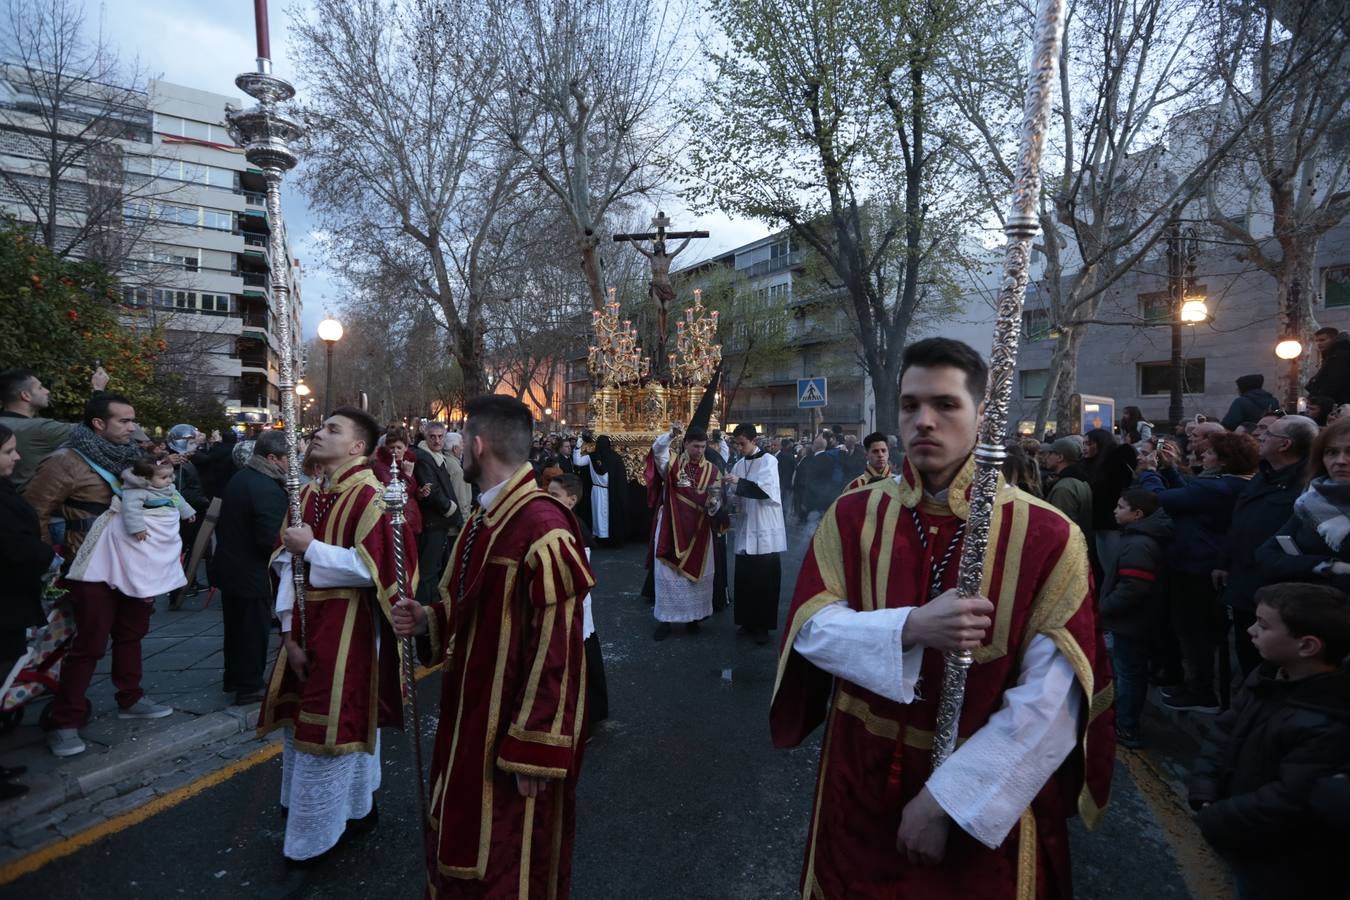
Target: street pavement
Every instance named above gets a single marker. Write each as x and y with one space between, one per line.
682 795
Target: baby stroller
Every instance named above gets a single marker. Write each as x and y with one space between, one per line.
37 672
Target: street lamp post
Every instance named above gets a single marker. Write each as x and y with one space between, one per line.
302 391
1290 347
330 332
1184 307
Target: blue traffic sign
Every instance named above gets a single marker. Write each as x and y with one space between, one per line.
812 393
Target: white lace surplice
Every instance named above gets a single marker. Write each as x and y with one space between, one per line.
321 793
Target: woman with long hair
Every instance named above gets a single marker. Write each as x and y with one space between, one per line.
1021 471
1133 427
1110 467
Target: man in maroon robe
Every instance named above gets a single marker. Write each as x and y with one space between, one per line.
873 611
334 683
508 628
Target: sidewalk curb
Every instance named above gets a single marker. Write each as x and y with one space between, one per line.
84 778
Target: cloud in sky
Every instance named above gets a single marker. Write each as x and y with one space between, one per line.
204 44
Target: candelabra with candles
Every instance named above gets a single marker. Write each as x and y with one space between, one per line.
615 359
696 353
628 405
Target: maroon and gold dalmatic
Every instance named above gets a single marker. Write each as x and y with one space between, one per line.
870 475
877 753
684 539
508 628
349 692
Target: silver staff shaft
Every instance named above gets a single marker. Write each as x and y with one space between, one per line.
1021 228
266 136
395 498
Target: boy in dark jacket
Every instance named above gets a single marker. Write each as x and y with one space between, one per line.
1133 595
1253 785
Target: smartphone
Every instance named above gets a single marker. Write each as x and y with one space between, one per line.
1287 545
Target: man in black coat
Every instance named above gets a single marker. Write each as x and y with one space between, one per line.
787 465
1333 379
1253 402
216 465
441 512
1263 506
251 514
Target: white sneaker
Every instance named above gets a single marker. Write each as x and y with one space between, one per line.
145 708
65 742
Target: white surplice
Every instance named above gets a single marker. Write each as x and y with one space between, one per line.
321 793
989 780
759 522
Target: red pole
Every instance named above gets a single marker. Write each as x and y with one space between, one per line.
260 27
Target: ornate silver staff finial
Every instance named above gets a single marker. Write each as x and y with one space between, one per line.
1021 228
395 499
266 136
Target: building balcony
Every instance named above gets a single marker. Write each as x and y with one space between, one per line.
769 266
802 335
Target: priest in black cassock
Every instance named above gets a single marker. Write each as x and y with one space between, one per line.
761 536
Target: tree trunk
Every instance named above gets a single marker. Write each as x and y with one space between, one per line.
886 392
590 267
1065 384
1296 294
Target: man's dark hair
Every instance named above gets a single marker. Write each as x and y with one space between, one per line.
937 351
1319 610
1141 499
504 422
367 429
873 438
695 434
1327 331
745 430
99 406
270 443
570 484
14 382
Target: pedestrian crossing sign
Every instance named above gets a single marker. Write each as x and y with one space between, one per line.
811 393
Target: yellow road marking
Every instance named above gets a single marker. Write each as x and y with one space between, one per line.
1203 872
94 833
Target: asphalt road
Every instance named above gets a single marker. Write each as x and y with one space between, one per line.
682 796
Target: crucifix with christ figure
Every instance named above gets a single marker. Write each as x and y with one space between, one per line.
661 291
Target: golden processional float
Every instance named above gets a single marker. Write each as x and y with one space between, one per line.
629 404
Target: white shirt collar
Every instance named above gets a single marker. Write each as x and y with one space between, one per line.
486 498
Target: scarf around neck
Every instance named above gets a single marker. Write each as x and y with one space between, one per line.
268 468
1325 505
104 453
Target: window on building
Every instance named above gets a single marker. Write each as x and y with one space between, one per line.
1155 378
1036 324
1155 307
1336 286
217 303
1033 382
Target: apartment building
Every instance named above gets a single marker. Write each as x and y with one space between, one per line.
193 218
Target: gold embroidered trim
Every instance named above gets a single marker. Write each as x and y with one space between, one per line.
1026 856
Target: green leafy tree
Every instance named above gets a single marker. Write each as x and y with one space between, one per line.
827 117
62 321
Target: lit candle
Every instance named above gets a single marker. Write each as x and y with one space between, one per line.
698 295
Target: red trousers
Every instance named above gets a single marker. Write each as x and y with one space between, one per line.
101 612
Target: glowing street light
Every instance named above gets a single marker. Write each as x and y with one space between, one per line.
1289 348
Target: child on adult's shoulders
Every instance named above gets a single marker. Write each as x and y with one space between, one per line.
1254 785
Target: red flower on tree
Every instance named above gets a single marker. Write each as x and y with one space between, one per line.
72 315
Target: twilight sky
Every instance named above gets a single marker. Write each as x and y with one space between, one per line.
204 44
